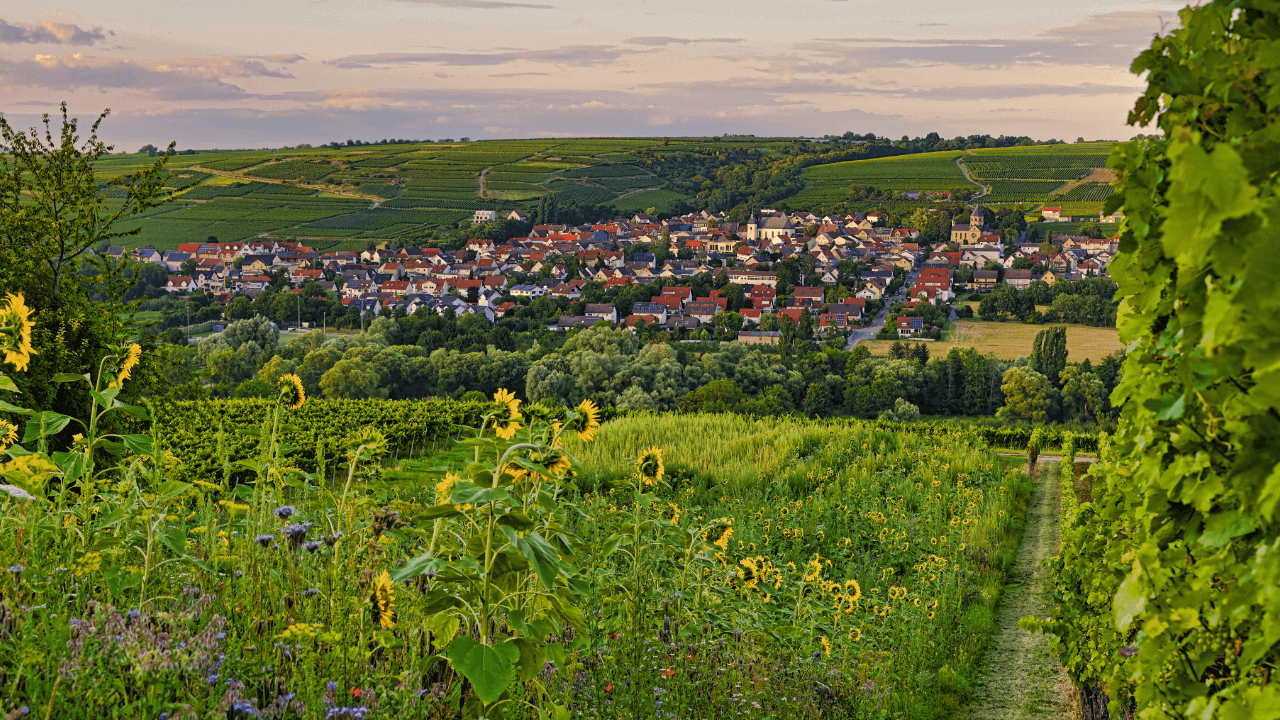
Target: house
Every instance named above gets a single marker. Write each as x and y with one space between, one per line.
807 296
1051 214
483 216
908 326
568 322
683 321
504 308
852 308
518 216
529 291
602 311
760 337
984 280
657 310
1020 279
258 263
753 277
179 284
704 311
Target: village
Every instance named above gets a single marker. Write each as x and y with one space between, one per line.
848 268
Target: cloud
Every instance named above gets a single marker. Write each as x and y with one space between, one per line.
480 4
282 59
177 80
662 41
572 55
506 75
1110 40
48 32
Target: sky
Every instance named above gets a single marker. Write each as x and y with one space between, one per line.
273 73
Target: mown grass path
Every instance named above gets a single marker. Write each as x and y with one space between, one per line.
1020 678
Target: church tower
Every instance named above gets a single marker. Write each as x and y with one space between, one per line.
753 230
976 219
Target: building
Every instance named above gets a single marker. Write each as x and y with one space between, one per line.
483 216
602 311
984 280
1020 279
760 337
1051 214
909 326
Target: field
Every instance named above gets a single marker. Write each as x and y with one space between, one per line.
316 187
924 172
708 561
1009 340
1050 174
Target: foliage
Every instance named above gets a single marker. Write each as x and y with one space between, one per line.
1165 592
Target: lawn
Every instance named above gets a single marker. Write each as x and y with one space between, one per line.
1009 340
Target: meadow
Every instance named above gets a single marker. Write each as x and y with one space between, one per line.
1009 340
251 559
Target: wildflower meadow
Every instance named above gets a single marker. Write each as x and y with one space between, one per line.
546 566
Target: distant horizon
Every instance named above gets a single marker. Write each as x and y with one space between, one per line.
244 74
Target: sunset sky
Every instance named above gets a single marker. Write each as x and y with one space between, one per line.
240 73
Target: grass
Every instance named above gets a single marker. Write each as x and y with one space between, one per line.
1009 340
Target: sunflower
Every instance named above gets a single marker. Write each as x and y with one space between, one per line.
130 362
444 488
291 391
585 420
649 465
15 332
855 637
723 541
857 589
381 601
508 398
826 645
9 434
557 462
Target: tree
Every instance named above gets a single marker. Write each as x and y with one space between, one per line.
1027 395
187 268
816 401
1049 352
1084 397
353 380
52 209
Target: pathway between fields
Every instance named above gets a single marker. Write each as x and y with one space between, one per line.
1020 678
965 172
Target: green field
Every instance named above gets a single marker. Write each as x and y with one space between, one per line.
827 184
1054 174
331 192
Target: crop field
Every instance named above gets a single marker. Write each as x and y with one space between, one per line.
1050 174
1009 340
645 199
923 172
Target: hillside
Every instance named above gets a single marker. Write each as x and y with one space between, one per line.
344 196
1071 176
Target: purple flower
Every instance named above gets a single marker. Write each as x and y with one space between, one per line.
331 685
17 569
295 534
263 540
333 539
312 546
284 511
311 592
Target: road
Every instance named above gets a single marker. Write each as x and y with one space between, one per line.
869 332
966 177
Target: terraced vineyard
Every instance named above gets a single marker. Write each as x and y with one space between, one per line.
1044 174
380 192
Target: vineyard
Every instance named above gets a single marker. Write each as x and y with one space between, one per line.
1045 174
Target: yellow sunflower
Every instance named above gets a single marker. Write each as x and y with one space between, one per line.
586 421
649 465
15 332
557 462
130 362
444 488
381 601
291 391
856 595
8 434
508 398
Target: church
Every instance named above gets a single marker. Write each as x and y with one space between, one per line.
971 233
